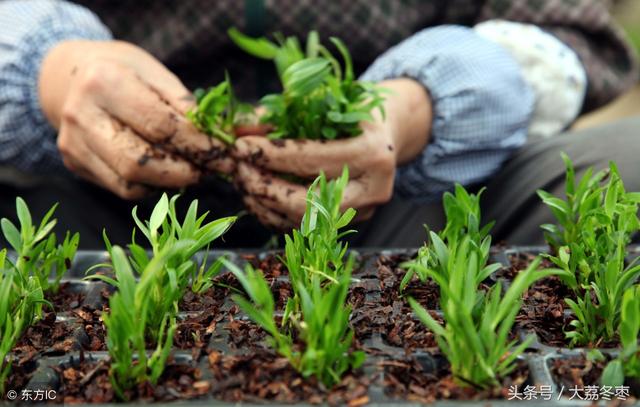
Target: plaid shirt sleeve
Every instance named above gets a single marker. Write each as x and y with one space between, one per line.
481 107
29 28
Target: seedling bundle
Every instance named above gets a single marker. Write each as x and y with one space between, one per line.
320 97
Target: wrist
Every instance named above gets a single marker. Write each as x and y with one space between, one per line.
55 74
59 67
409 116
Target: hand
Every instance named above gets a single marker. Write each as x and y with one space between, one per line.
120 115
372 158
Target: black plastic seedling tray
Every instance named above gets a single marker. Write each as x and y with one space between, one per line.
375 272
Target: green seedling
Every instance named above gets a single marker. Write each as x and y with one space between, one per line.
315 252
321 99
127 323
572 213
320 274
19 304
202 280
475 337
596 224
322 327
37 254
598 308
217 111
38 267
627 364
462 211
9 329
163 231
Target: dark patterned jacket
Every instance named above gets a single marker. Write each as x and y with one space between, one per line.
190 35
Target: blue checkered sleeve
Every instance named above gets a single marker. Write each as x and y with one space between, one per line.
481 107
28 30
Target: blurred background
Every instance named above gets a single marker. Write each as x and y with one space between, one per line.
627 12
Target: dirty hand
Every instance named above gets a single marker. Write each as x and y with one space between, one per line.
372 158
120 116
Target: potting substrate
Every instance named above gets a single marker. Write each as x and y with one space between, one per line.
220 356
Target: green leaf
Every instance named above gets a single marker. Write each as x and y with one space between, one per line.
24 216
346 56
260 47
159 214
610 200
313 44
425 318
44 231
12 234
304 76
554 202
613 374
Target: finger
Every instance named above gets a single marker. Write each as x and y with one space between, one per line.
244 130
306 158
273 192
267 216
206 151
135 160
83 162
165 82
170 88
104 176
364 214
146 110
120 91
290 199
101 175
78 168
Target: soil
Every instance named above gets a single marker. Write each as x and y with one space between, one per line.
226 284
242 367
393 315
88 382
244 334
543 306
576 371
519 262
265 376
544 311
66 299
213 298
48 335
22 370
390 275
580 371
426 381
406 332
194 332
271 265
93 327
